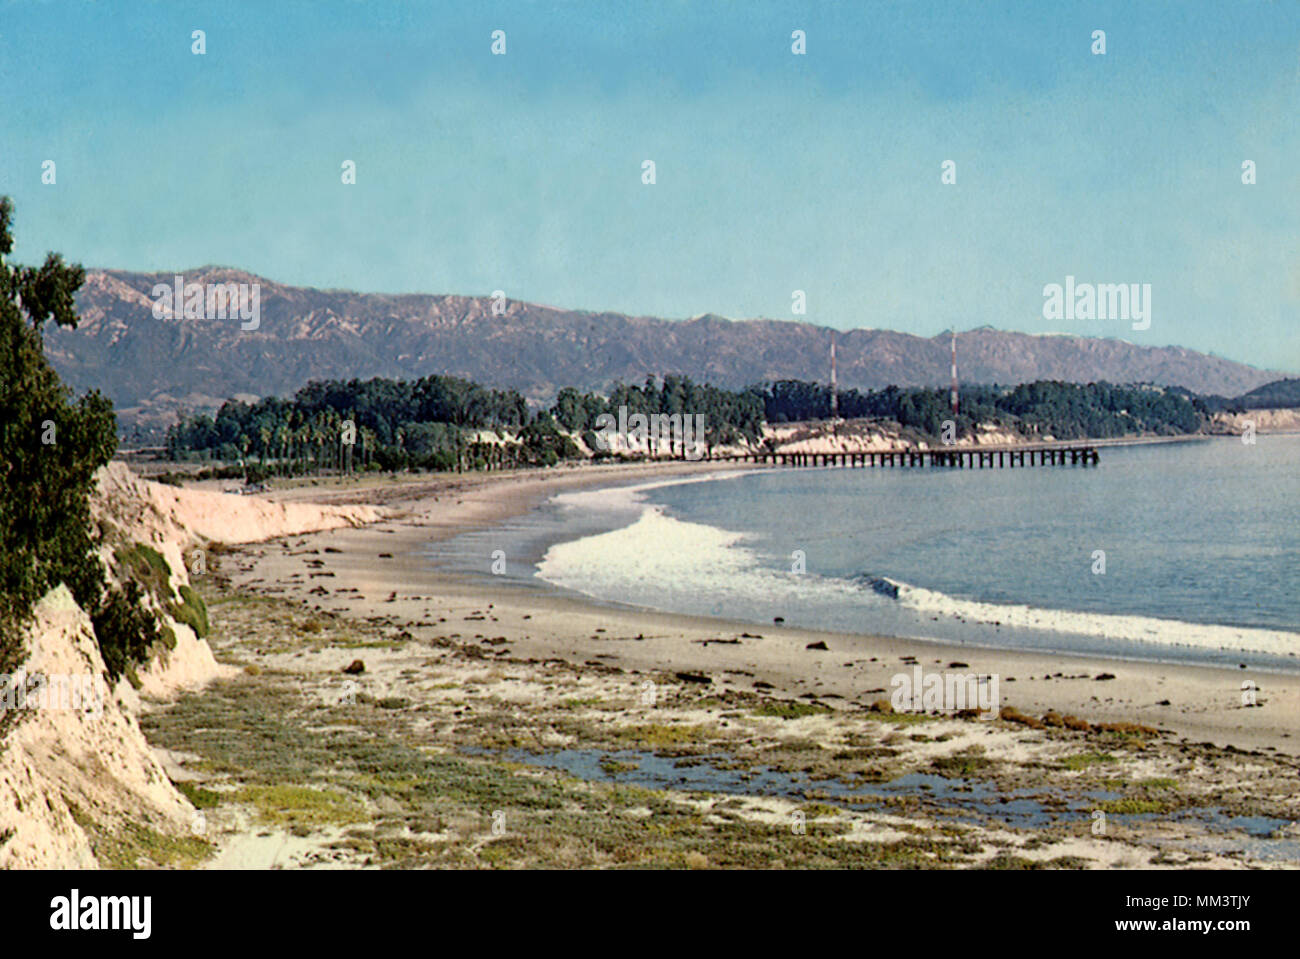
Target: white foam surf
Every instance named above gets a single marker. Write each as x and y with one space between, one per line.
661 562
1126 628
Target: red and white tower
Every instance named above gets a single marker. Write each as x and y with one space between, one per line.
954 374
834 399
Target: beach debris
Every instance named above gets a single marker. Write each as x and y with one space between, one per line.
1101 676
959 665
820 644
1013 715
385 555
881 706
1130 729
355 667
781 619
694 678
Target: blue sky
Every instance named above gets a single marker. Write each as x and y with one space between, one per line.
775 172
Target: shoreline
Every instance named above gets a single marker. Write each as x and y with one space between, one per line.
364 584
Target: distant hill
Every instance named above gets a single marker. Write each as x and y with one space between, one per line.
1275 395
151 368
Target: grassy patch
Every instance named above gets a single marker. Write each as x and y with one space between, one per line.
1130 806
131 845
611 766
657 735
905 719
199 797
147 567
1006 860
1084 760
789 709
191 611
301 805
969 762
1157 783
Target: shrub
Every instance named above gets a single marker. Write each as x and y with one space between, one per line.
124 628
147 567
192 611
52 445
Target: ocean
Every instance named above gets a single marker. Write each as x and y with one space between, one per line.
1182 552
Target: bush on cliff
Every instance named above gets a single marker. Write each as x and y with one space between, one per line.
51 444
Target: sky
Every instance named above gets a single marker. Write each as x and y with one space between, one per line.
774 172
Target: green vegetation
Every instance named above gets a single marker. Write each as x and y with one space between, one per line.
789 709
434 423
658 735
132 845
52 445
199 797
1279 394
1084 760
1132 806
970 762
147 567
301 805
728 416
431 423
125 629
1064 410
191 611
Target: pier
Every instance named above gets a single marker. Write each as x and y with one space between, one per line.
951 457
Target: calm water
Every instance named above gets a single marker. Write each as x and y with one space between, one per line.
1201 542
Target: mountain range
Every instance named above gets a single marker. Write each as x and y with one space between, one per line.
152 368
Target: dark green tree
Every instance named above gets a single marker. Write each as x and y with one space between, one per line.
50 447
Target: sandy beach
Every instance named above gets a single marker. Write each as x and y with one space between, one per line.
1203 704
375 712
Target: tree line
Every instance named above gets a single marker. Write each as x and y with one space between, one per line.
437 422
1063 410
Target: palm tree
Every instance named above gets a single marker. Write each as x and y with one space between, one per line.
368 438
282 438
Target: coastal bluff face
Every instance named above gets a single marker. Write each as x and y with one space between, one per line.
76 772
151 366
68 775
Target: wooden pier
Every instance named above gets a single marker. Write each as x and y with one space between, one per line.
951 457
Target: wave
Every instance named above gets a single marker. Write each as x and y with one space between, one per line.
657 561
1113 626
